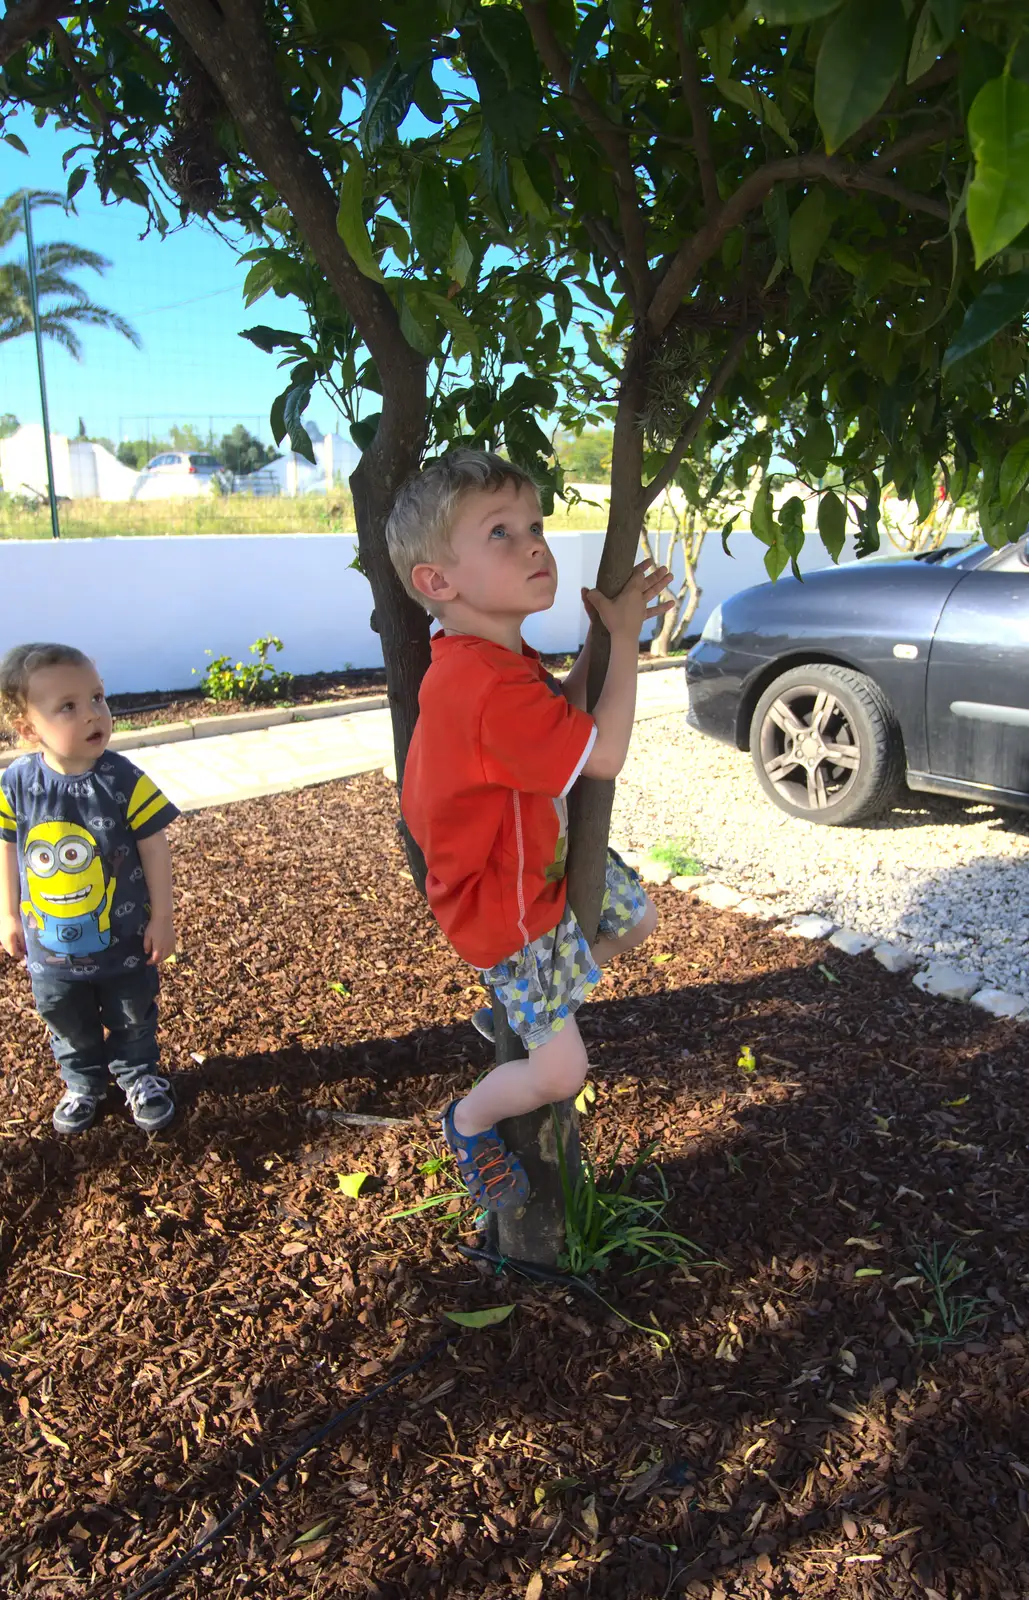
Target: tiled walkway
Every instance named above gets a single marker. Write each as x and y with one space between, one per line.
238 766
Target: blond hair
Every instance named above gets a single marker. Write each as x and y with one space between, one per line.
19 664
418 527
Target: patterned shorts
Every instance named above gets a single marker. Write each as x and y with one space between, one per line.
546 981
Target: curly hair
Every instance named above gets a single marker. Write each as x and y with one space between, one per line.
19 664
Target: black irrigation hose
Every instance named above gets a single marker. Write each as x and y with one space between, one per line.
336 1421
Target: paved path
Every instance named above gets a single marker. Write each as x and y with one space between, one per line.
239 766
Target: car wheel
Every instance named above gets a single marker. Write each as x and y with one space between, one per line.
826 745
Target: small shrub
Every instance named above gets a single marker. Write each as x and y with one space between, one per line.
675 854
604 1219
254 681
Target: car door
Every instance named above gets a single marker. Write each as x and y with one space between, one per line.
977 693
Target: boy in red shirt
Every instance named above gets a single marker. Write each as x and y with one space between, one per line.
497 747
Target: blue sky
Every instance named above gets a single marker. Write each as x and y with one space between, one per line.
184 296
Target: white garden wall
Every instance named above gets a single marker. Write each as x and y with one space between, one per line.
148 608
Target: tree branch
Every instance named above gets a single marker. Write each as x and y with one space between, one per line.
598 229
723 372
612 140
694 252
916 142
232 43
693 96
23 19
66 51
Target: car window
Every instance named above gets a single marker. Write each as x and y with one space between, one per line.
203 461
158 461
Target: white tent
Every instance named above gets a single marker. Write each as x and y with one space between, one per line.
291 475
82 470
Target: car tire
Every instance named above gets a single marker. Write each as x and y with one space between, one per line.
805 718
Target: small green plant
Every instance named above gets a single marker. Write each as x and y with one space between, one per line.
431 1168
676 855
254 681
952 1316
604 1219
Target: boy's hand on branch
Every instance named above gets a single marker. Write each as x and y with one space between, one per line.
12 938
636 604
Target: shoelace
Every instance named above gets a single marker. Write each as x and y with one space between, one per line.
72 1101
492 1156
146 1088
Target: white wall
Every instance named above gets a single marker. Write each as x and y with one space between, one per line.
147 609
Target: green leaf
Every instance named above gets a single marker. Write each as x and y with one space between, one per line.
832 523
258 281
388 101
76 180
781 11
869 1272
589 36
294 406
947 16
757 102
433 218
1000 303
810 226
480 1319
817 447
15 143
860 59
313 1533
350 223
776 561
351 1183
998 197
761 523
1014 472
461 258
530 204
925 46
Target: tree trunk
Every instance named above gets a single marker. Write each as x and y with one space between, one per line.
539 1234
232 44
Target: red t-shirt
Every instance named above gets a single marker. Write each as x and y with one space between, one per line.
494 753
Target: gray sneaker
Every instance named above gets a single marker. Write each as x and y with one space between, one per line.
150 1102
75 1111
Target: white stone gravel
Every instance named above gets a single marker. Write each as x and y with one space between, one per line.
942 879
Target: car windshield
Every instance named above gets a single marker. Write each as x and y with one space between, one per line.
203 461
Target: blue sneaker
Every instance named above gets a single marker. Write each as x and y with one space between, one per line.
495 1179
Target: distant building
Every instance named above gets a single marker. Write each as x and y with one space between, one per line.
82 470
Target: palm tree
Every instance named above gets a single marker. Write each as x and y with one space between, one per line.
54 264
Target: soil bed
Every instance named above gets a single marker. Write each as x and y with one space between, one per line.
176 1316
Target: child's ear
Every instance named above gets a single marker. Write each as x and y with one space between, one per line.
430 582
25 731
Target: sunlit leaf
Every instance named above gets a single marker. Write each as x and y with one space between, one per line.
998 198
351 1183
487 1318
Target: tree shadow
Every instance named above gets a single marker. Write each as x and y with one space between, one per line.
791 1181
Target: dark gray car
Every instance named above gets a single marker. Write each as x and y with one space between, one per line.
862 676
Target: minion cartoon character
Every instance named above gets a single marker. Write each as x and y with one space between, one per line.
69 893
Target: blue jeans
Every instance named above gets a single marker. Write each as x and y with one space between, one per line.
77 1012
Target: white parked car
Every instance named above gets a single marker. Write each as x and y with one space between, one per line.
181 473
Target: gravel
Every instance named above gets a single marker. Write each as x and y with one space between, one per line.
946 879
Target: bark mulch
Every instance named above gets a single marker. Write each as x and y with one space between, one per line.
177 1316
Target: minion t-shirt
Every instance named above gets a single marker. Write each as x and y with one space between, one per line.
83 893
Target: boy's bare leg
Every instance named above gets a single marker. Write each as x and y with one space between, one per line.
605 948
556 1071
